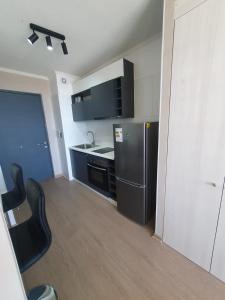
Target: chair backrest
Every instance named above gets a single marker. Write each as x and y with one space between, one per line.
36 199
17 177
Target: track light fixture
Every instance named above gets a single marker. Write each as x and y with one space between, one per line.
33 38
49 43
49 34
64 48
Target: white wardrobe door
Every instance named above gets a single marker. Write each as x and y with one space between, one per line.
218 260
196 145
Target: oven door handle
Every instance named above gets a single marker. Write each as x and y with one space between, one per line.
97 168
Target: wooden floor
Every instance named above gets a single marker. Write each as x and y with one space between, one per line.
97 254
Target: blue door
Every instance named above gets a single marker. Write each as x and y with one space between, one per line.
23 136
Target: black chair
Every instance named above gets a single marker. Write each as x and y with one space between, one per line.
32 239
17 196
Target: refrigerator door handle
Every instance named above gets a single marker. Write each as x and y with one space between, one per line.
130 183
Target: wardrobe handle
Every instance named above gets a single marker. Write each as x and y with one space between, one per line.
211 183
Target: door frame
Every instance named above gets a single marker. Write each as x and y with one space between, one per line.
45 125
164 113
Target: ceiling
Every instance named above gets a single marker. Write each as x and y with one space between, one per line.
96 31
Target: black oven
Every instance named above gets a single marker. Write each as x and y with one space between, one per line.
98 173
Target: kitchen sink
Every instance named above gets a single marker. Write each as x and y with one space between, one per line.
85 146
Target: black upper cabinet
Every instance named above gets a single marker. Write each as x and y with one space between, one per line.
103 106
111 99
81 106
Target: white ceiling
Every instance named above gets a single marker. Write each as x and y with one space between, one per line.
96 31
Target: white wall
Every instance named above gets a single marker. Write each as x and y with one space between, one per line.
57 117
147 64
72 135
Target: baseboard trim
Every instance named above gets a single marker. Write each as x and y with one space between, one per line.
59 176
113 202
157 237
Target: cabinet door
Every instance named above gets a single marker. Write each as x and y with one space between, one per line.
82 111
103 104
218 259
196 144
79 166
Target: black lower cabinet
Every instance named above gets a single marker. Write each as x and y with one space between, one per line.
79 165
97 172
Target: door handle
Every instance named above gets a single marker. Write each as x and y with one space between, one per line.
44 144
97 168
213 184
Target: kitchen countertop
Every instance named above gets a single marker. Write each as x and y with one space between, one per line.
109 155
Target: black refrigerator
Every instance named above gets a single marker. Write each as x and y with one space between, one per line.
136 147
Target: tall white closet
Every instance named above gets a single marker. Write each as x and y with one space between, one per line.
218 258
194 222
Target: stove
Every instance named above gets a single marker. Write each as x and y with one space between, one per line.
104 150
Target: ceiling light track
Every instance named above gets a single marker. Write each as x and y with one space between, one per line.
49 33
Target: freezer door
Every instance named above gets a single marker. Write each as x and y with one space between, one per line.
131 201
130 151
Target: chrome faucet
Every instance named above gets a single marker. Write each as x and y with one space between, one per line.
93 137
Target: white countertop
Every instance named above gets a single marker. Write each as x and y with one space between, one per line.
109 155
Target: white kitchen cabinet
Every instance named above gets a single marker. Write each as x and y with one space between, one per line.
196 143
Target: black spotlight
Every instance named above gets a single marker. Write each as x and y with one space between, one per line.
64 48
33 38
49 42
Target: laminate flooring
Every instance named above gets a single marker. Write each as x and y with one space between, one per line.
98 254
